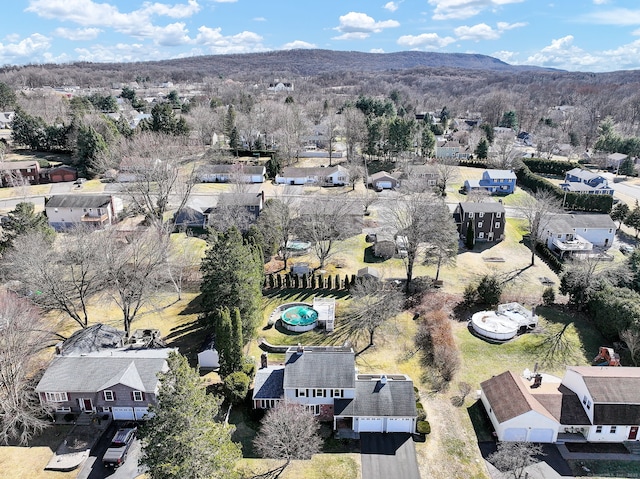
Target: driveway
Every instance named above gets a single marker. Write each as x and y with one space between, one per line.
388 455
551 465
94 469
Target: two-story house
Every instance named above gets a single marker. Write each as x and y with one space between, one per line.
326 382
590 403
120 381
496 182
579 233
18 173
486 218
578 180
313 176
68 211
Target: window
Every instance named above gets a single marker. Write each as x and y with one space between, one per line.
319 393
337 393
479 224
313 408
56 397
588 404
109 395
610 230
584 399
598 429
498 215
481 215
302 393
138 396
612 429
497 225
470 215
481 235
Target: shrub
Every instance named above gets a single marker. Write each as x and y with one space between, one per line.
236 387
422 415
249 367
423 427
548 257
548 296
489 290
470 295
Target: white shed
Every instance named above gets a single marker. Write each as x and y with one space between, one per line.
208 358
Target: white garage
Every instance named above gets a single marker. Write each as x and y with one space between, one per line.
541 435
516 434
140 413
385 185
400 424
123 413
368 424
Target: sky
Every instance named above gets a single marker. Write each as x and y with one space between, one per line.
574 35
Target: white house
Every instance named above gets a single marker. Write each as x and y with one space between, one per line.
316 176
579 233
67 211
326 382
237 173
590 403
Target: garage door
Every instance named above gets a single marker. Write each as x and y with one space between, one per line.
515 434
385 184
366 424
140 412
541 435
399 425
122 413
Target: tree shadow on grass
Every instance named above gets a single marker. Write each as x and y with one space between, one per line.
188 338
480 420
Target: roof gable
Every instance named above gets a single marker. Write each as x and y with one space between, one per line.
373 398
321 367
78 201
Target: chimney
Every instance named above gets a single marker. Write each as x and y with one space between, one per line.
300 349
264 360
383 379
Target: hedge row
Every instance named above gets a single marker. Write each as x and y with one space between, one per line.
549 167
548 257
311 281
572 201
472 163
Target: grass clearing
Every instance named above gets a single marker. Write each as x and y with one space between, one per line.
321 466
605 468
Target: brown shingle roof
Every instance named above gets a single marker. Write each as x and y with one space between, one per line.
565 406
619 385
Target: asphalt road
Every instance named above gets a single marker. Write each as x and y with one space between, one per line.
94 469
388 455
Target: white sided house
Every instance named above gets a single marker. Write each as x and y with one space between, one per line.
579 233
237 173
325 381
69 211
589 404
314 176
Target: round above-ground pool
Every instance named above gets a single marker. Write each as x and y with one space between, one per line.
299 318
494 326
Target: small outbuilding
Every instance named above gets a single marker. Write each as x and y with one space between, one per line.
369 273
209 358
383 180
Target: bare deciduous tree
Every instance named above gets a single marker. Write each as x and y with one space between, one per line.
514 457
354 127
538 210
22 337
278 221
288 432
631 338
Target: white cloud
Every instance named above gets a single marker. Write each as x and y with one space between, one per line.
173 11
78 34
376 50
460 9
391 6
121 52
614 16
505 56
224 1
357 26
425 41
27 49
296 44
482 31
600 2
259 19
216 43
172 35
561 53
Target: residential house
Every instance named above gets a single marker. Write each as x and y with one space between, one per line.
579 233
496 182
423 175
58 174
314 176
448 149
383 181
384 245
123 382
326 382
19 173
590 403
280 86
237 173
202 212
488 220
578 180
67 211
6 118
614 160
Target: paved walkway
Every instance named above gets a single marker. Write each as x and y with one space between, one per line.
568 455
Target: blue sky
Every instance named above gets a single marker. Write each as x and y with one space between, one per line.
576 35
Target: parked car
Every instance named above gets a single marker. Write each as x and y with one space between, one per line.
116 454
626 249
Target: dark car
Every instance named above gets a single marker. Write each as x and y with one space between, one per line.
119 447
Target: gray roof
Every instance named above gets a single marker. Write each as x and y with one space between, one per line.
569 222
582 187
320 367
482 207
380 175
232 169
611 385
268 383
137 369
94 338
501 174
78 201
303 172
394 398
240 199
583 174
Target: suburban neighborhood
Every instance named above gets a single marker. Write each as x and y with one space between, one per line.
280 279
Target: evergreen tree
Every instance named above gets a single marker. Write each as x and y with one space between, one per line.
223 329
619 213
23 220
626 167
182 439
633 219
235 351
7 97
482 150
427 142
470 238
89 145
232 277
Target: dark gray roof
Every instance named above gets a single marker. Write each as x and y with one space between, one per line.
137 369
78 201
616 414
394 398
380 175
303 172
569 222
240 199
94 338
232 169
482 207
268 383
565 406
583 174
324 367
